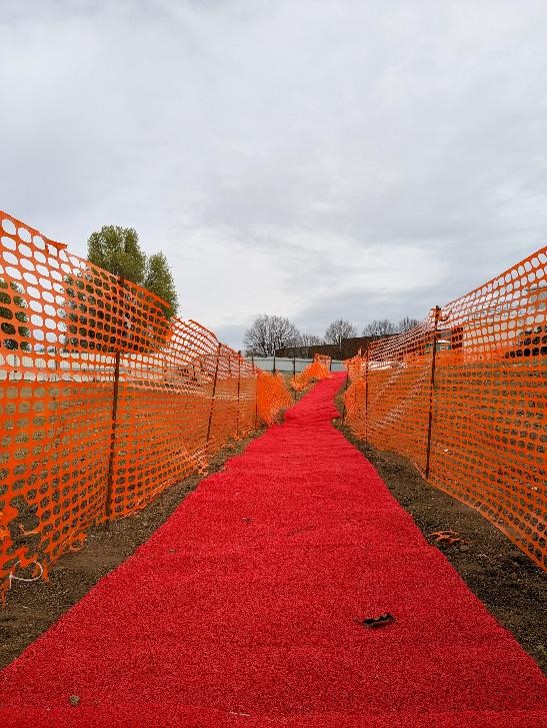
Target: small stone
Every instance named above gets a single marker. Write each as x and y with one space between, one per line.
74 700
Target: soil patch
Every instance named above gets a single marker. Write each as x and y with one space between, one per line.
511 586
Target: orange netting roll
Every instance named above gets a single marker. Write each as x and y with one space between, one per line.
317 370
272 396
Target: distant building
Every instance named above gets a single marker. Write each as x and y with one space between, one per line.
349 348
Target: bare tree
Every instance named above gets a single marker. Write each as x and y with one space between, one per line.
339 330
310 340
407 323
380 327
269 333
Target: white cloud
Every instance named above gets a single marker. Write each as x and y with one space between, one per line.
311 159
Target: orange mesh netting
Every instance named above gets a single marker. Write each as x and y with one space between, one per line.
469 409
272 397
317 370
103 401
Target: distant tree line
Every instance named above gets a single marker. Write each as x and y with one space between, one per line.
268 333
385 327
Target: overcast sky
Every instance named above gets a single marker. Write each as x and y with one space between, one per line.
315 159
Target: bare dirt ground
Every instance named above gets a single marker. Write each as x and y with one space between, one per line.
511 586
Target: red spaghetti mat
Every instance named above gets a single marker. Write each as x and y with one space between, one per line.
246 609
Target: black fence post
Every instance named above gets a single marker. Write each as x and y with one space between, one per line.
256 396
344 396
432 391
366 397
114 416
238 389
213 395
294 375
112 452
274 364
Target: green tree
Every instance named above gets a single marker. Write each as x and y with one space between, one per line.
117 250
10 321
159 280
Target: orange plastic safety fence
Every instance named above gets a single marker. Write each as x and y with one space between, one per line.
104 402
273 397
463 396
317 370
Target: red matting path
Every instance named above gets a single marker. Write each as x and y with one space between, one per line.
241 611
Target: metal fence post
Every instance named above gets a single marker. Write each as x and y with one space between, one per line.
274 363
366 396
432 391
238 389
213 394
112 453
344 396
294 374
114 421
256 396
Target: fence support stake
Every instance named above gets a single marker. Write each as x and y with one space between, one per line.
294 374
238 388
274 364
114 420
213 395
432 391
344 396
256 396
112 453
366 397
